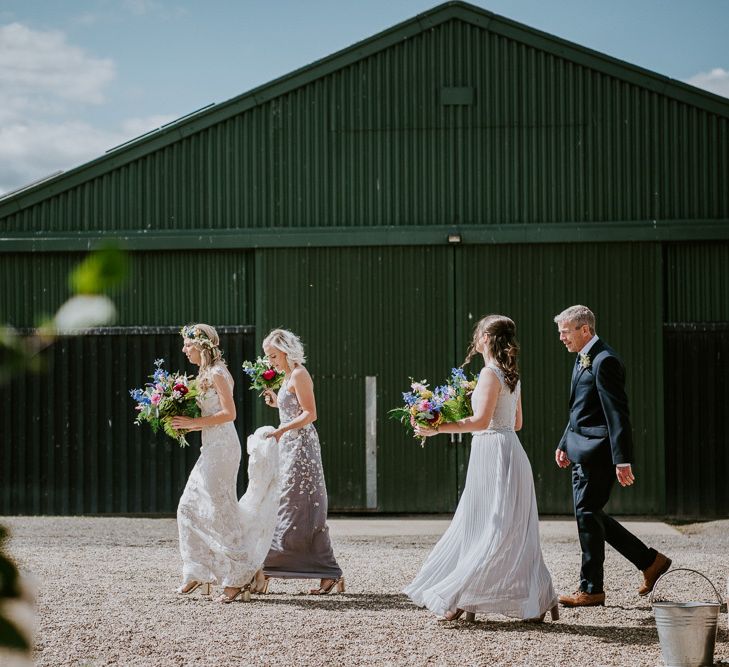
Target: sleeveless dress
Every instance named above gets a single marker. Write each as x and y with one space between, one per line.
224 540
489 559
301 548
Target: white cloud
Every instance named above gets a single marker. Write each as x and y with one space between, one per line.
34 64
716 81
141 7
34 149
31 150
46 84
161 9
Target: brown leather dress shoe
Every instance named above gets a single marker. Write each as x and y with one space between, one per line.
658 567
583 599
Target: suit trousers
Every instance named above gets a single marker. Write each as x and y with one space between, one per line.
591 485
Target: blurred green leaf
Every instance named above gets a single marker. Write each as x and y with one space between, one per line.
16 355
10 637
101 271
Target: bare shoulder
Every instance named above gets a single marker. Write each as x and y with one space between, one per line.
300 376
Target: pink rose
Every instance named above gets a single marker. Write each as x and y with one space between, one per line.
156 398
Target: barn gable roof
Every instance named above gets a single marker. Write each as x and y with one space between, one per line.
209 116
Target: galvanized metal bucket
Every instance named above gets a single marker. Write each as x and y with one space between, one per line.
686 630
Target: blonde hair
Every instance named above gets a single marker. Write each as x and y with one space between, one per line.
206 341
289 343
502 345
578 315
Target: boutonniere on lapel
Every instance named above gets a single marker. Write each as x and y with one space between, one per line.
585 361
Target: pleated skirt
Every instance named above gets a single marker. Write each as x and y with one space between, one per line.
490 559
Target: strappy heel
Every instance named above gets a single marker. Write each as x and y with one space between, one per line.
243 593
455 615
553 612
325 590
195 585
259 583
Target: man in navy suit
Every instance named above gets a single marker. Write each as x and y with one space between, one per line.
598 443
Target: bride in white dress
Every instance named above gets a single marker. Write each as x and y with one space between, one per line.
489 559
223 540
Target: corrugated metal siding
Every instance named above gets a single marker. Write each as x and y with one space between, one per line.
546 140
69 445
697 282
163 288
697 423
621 283
368 311
394 312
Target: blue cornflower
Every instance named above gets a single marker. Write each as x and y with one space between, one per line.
458 374
136 394
409 398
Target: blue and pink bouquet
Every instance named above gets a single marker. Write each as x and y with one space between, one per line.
444 404
168 395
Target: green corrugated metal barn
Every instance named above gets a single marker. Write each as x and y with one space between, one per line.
378 202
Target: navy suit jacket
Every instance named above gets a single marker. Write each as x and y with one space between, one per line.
599 431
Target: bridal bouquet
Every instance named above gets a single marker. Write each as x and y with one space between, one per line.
444 404
263 375
168 395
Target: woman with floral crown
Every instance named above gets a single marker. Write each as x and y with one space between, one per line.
489 559
223 540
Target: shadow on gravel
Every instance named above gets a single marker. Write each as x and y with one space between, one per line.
615 634
342 601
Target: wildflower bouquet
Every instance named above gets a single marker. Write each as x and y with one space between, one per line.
168 395
263 375
444 404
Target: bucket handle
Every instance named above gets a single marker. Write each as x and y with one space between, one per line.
685 569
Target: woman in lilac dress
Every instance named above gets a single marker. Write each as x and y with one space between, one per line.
301 548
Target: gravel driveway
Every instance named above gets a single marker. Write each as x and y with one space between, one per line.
106 597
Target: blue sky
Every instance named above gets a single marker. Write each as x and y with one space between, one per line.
80 76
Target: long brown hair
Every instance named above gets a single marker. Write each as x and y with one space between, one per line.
502 345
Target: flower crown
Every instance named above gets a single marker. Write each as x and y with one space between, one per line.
197 336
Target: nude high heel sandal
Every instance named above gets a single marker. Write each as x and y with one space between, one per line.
244 594
259 583
195 585
324 590
553 612
455 615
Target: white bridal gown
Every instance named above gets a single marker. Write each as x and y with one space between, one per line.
489 559
224 540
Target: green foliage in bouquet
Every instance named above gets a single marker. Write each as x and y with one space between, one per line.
168 395
444 404
263 375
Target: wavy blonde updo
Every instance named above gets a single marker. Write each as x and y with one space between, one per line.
288 342
206 341
502 345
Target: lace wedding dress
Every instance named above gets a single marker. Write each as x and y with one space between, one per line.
301 546
224 540
489 559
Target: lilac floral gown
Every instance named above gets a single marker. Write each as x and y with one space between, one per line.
301 548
